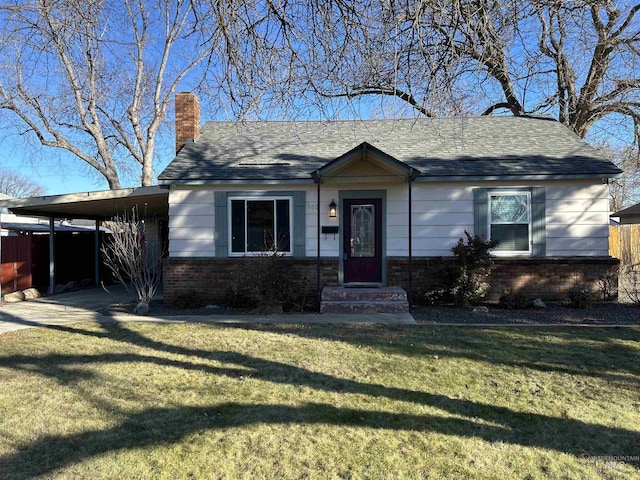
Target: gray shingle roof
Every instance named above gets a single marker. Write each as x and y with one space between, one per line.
629 211
447 147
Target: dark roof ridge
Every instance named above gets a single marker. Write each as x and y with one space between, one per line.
367 120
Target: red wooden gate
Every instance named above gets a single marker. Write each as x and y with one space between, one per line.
16 263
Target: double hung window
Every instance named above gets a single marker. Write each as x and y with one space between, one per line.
510 221
260 224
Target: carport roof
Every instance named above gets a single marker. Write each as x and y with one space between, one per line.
101 205
43 228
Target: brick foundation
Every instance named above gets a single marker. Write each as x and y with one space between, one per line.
547 278
207 278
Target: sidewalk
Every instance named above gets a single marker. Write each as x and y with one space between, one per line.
83 306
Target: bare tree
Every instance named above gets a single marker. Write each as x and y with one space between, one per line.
95 77
15 185
624 190
313 58
134 257
577 61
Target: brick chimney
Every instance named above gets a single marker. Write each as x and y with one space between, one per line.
187 118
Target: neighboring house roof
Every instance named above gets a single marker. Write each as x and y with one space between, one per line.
633 210
478 147
4 196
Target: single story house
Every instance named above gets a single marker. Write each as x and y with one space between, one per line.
375 202
629 215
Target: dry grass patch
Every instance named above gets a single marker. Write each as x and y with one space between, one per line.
219 401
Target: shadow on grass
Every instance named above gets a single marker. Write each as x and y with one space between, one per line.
156 426
162 426
595 352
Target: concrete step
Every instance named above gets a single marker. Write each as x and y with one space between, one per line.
370 306
359 294
364 300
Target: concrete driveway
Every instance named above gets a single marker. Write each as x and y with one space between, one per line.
72 307
83 306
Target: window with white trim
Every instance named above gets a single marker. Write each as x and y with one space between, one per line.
260 224
510 221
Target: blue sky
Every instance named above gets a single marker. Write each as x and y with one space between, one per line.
49 173
58 171
47 169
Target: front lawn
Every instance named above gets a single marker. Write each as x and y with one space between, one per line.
140 400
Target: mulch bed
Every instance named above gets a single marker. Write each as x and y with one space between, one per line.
554 314
158 308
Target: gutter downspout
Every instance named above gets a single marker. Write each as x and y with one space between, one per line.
412 176
52 257
0 254
96 264
316 178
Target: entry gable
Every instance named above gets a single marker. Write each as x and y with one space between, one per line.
365 163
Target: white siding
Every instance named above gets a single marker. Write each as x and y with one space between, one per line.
329 244
191 222
440 215
192 218
577 217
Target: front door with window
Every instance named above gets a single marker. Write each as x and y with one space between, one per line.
362 241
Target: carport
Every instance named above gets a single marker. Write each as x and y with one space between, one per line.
151 202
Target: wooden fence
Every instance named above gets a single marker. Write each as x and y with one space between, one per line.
624 243
15 263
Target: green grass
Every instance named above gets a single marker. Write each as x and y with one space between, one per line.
141 400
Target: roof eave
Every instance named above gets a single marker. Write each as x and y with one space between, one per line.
412 172
454 178
237 181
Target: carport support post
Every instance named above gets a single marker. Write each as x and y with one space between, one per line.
318 288
0 254
410 181
96 276
52 256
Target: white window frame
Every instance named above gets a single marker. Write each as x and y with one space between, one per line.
257 198
509 253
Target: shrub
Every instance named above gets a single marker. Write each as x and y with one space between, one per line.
262 282
464 280
303 304
581 298
514 300
445 273
630 282
608 284
187 301
473 264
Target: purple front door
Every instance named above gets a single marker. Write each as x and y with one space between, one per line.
362 247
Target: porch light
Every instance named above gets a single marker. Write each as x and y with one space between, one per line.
332 209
